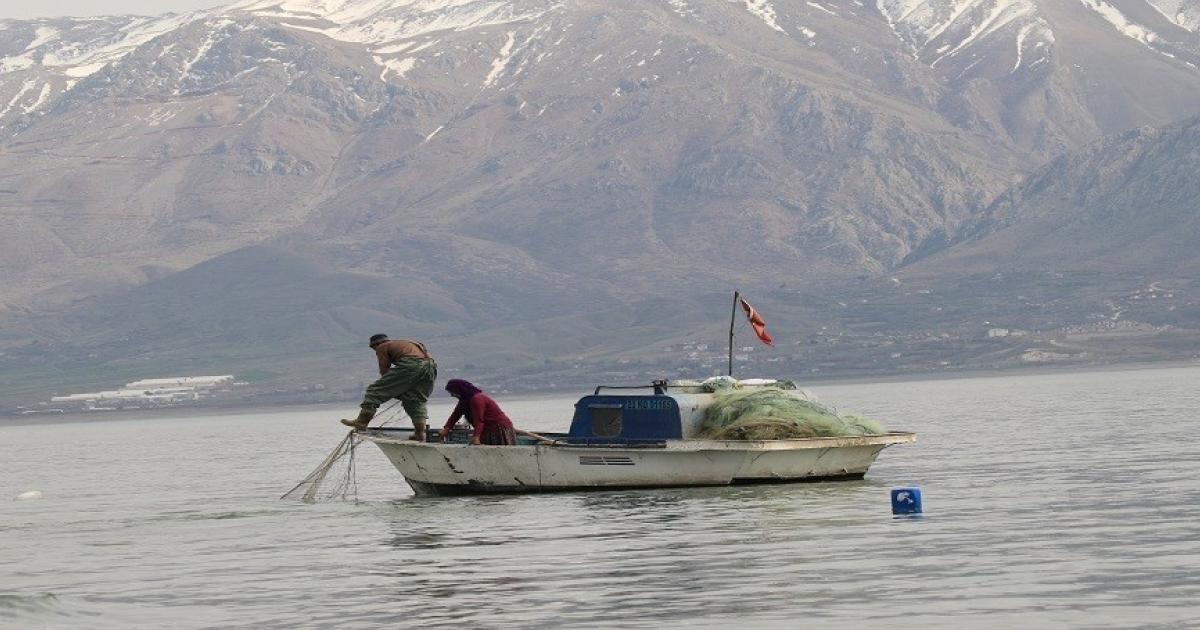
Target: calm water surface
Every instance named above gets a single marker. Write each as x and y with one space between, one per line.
1051 501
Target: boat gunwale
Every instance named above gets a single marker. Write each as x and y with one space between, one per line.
677 445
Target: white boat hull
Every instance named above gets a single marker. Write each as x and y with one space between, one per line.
436 468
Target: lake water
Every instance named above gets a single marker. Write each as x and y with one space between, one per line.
1051 501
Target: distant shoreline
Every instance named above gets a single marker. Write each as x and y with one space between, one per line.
345 408
1031 370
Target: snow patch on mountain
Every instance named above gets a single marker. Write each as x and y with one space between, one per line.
385 22
391 50
822 8
763 11
1042 37
80 52
29 85
43 35
42 96
681 7
97 54
938 31
397 67
387 27
1118 20
499 63
1185 13
217 29
85 70
1168 45
16 63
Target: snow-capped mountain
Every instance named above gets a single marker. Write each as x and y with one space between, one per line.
978 51
526 160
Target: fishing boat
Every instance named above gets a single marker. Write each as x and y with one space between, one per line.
623 439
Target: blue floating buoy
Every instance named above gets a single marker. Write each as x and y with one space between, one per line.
906 500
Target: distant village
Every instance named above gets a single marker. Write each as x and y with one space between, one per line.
820 354
150 393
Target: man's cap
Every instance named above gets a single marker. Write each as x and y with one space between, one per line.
380 338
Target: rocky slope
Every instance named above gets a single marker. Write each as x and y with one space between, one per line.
1129 202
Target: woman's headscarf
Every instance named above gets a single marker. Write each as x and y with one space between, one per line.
464 390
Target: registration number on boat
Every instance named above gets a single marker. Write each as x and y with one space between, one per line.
647 404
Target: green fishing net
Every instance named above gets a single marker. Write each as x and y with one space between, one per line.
776 414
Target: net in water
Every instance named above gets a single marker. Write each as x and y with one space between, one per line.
320 486
341 486
772 413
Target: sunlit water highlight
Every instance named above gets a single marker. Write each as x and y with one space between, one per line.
1051 501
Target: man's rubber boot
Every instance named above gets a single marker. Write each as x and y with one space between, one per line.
361 422
418 431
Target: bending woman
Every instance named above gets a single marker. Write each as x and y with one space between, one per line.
491 425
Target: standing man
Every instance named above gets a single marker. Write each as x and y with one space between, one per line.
406 372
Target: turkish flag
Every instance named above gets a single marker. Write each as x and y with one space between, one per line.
756 322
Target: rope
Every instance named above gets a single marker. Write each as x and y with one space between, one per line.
386 411
352 472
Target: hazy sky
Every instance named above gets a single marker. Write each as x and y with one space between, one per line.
42 8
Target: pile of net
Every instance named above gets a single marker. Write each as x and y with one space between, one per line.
778 414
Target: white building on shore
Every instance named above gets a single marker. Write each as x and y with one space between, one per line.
150 392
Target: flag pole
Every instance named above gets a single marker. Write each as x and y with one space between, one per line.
732 316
